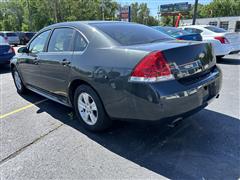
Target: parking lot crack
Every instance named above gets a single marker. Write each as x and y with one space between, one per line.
19 151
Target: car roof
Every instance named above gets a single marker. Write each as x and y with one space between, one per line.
7 32
86 22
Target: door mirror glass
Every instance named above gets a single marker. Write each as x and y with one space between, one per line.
23 50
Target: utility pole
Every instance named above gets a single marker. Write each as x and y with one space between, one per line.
102 6
29 16
195 12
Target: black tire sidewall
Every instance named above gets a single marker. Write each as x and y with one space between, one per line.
23 89
103 121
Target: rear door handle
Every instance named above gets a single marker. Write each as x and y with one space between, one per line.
65 62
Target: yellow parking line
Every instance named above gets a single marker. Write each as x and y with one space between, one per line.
21 109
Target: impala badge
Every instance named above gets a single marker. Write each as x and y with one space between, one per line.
201 55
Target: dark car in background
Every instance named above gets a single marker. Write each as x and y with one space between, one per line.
179 33
25 37
117 70
11 37
6 51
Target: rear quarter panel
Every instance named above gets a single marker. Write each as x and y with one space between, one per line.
107 70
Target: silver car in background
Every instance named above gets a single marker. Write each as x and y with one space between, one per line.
11 37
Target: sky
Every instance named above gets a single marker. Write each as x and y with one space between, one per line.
153 4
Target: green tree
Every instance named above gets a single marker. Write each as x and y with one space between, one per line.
140 13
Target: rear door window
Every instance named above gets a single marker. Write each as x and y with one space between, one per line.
215 29
61 40
11 34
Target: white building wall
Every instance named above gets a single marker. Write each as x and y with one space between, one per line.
202 21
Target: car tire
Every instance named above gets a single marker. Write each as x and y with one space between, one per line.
89 109
219 58
21 89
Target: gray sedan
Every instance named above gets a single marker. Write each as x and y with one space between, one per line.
117 70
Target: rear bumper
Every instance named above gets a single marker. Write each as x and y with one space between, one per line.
165 100
225 49
5 59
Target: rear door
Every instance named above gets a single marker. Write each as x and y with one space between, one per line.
55 63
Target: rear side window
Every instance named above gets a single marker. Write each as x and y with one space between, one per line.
38 44
193 30
130 34
61 40
79 43
11 34
215 29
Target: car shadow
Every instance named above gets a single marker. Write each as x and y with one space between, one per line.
4 69
204 146
231 61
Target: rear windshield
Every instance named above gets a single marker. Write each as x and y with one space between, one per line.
215 29
29 34
11 34
130 34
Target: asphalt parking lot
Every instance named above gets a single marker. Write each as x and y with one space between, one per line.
41 139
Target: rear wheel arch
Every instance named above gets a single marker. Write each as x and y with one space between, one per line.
12 66
74 85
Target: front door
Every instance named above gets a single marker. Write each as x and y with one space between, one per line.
29 62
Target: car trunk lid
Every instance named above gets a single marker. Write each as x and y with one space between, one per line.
185 58
233 38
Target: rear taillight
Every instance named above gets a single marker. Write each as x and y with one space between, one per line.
179 38
11 50
152 68
222 39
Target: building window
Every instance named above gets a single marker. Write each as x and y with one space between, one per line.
237 29
213 23
224 25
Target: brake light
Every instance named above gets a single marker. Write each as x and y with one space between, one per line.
11 50
179 38
222 39
152 68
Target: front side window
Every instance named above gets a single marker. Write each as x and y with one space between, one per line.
38 44
61 40
80 43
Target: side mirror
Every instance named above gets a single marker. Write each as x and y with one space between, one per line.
23 50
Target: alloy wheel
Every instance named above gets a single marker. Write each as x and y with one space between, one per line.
87 108
17 80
